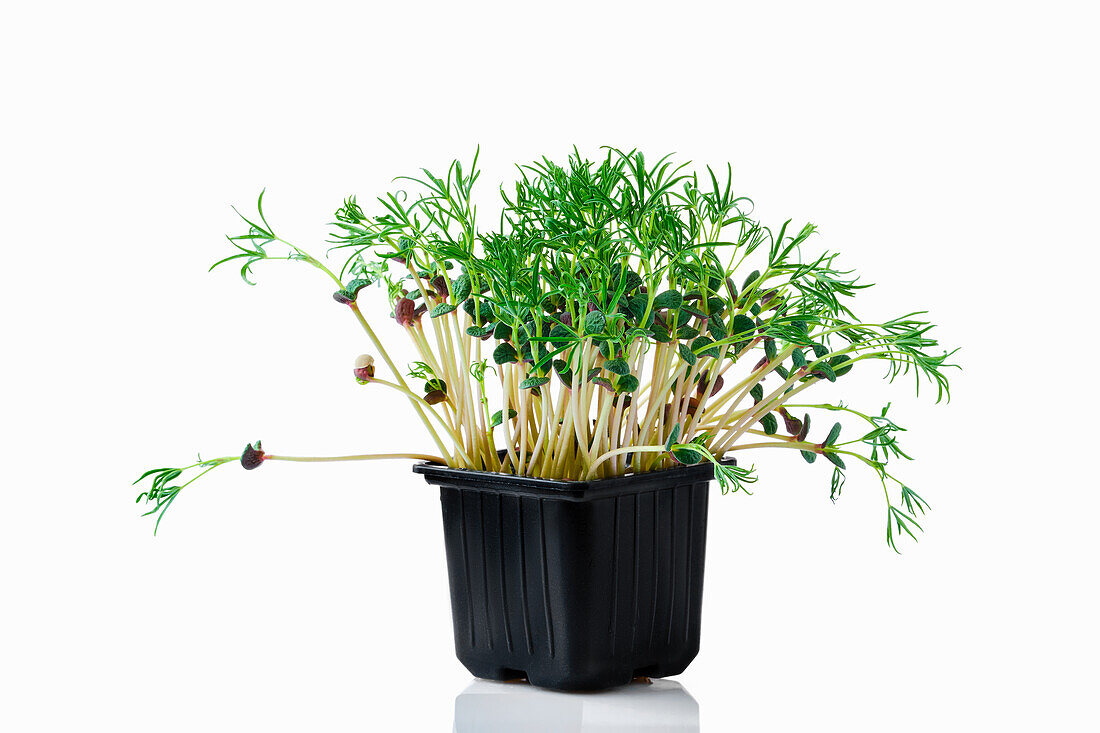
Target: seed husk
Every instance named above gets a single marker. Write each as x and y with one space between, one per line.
364 368
252 457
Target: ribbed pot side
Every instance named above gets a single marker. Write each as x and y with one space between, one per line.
575 585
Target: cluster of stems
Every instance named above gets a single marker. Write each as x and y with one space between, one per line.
600 330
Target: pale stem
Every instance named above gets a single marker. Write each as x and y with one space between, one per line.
400 380
363 457
765 406
506 382
628 449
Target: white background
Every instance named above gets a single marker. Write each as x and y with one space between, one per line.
948 150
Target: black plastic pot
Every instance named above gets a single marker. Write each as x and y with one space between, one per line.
575 585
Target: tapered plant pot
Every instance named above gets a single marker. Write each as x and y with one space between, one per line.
575 585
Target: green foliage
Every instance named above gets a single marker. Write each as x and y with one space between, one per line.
257 238
627 383
669 299
261 235
161 492
617 366
498 417
505 353
733 478
836 484
595 323
898 522
620 275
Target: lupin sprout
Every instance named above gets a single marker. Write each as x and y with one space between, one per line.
623 317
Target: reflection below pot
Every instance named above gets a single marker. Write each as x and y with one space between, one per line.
488 707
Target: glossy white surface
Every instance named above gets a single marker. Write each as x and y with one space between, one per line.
662 706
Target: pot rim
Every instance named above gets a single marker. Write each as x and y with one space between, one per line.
631 483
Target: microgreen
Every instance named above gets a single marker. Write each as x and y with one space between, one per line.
160 493
624 316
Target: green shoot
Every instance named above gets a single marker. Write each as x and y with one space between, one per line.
623 316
